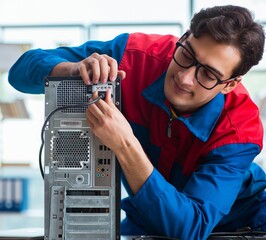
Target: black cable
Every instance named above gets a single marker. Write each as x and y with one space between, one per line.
48 118
153 238
245 234
239 233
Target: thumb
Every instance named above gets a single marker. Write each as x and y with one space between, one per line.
122 74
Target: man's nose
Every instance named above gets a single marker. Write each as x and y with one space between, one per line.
188 75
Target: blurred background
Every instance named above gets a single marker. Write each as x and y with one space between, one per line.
31 24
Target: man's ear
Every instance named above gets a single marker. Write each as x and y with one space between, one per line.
231 85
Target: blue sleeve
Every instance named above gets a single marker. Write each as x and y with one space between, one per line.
207 196
28 72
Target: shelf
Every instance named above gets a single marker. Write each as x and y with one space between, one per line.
33 216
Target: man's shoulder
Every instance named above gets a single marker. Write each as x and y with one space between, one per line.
155 44
243 115
153 36
239 99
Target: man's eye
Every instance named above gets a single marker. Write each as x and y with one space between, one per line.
208 75
187 55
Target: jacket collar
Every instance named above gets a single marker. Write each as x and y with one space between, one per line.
201 122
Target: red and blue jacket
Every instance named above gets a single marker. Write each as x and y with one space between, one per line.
204 177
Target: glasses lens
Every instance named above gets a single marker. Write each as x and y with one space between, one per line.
206 77
183 57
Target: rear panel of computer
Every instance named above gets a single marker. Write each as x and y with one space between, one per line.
81 175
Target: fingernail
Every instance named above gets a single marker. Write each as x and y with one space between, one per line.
113 78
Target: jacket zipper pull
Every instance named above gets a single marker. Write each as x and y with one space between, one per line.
169 130
173 117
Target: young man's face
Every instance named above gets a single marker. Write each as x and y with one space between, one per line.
181 87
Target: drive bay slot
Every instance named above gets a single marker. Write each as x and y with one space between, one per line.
87 193
87 210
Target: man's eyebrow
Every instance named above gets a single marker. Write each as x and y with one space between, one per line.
207 66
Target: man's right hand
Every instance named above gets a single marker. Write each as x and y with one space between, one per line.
93 69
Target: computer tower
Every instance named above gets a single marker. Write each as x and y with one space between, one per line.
81 175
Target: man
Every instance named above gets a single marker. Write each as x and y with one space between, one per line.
188 132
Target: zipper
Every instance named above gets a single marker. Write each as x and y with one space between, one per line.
169 130
171 119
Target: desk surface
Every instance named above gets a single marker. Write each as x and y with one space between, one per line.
37 234
32 234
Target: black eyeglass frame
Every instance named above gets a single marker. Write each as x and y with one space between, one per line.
197 64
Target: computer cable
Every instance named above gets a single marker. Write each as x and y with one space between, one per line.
151 237
246 233
101 96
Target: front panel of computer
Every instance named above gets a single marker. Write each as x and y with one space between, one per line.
81 175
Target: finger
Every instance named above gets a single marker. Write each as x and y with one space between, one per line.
95 68
88 66
113 67
96 109
102 106
122 74
85 74
100 67
104 71
107 68
91 120
108 97
94 95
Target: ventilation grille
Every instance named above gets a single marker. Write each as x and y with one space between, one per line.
72 93
70 149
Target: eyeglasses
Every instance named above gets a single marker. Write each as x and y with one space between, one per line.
204 76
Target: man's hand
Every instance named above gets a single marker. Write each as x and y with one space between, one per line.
93 69
114 131
109 124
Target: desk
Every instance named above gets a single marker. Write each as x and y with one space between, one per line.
32 234
37 234
22 234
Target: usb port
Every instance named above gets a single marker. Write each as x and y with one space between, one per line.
100 161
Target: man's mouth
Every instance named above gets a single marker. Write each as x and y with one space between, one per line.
180 89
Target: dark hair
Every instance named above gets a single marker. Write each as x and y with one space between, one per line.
232 25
